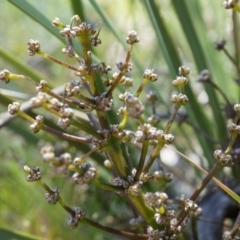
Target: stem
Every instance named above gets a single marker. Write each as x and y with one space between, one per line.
60 201
66 135
161 143
199 189
153 156
141 87
236 227
171 119
220 91
123 123
45 55
232 60
128 235
115 155
107 187
122 73
79 104
142 159
82 159
204 134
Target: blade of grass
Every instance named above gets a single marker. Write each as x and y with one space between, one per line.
46 23
10 234
78 8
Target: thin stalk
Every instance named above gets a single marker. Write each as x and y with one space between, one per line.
160 145
122 73
75 103
153 156
204 134
236 227
63 64
107 187
220 91
125 234
206 180
234 62
141 87
66 135
60 201
171 119
96 182
83 158
142 159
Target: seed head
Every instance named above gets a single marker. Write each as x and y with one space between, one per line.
132 37
4 76
33 47
13 108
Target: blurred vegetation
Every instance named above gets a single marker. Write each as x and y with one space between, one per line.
172 33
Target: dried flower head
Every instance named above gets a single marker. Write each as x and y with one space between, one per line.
132 37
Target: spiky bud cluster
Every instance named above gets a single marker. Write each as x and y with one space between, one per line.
233 128
47 152
204 76
14 108
4 76
179 99
124 67
132 37
183 71
126 81
150 75
53 196
155 200
34 173
190 206
229 4
72 88
39 100
33 47
73 219
236 107
223 159
86 174
37 125
60 164
133 107
130 186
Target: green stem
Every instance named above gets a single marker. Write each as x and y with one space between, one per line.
153 156
107 187
45 55
142 159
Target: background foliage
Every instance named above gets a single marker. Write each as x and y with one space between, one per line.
172 33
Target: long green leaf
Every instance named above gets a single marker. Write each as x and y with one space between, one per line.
6 234
46 23
78 8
